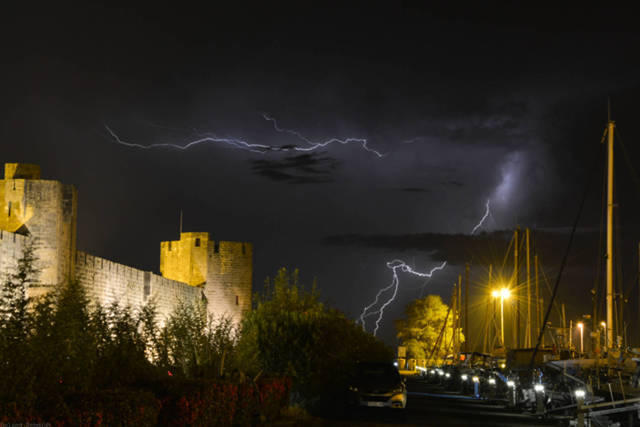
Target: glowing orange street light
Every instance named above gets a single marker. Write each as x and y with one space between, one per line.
581 326
503 294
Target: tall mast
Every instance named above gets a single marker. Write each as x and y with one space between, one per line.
528 336
459 300
466 306
516 283
454 320
538 303
609 325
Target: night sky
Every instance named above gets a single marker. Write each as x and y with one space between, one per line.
489 103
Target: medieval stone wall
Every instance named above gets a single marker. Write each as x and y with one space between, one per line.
195 265
46 210
11 246
229 278
107 282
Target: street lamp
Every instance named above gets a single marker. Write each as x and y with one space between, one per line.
503 294
606 341
580 325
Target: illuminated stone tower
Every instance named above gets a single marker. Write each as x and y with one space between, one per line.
223 269
44 210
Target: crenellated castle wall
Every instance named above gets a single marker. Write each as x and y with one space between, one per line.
46 210
107 282
229 278
192 268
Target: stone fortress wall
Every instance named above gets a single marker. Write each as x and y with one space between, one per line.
46 210
198 260
11 246
192 268
108 282
231 268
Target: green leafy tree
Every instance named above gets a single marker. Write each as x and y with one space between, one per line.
422 325
278 335
196 344
290 332
14 301
124 344
15 326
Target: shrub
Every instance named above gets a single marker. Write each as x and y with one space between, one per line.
213 403
290 333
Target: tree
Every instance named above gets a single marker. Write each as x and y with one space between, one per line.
423 323
195 344
290 332
14 300
15 325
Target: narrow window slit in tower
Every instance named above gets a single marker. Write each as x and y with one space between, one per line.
9 209
237 300
197 242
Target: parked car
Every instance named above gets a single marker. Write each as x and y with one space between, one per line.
378 384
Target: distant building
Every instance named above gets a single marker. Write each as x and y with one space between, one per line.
193 268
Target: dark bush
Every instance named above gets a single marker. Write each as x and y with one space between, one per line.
213 403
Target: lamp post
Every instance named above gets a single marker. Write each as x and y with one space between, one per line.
580 326
503 294
606 340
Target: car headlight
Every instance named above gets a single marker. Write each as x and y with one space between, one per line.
352 388
538 388
464 377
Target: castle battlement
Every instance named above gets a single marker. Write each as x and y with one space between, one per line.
192 268
224 269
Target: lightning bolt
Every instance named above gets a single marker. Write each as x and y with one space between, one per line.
486 214
315 145
255 148
238 143
394 266
395 282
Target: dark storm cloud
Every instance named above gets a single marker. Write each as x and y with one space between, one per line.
471 97
311 168
454 248
415 190
483 248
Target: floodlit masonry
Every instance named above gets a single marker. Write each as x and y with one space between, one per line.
193 269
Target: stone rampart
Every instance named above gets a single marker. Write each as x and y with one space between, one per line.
11 246
229 278
107 282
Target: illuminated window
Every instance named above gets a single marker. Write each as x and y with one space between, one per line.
198 242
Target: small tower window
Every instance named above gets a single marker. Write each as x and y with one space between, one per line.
9 209
216 247
197 242
237 300
244 251
169 246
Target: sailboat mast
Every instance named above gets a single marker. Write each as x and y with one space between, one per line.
528 335
609 323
